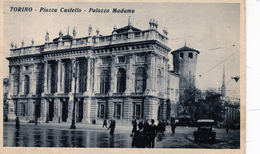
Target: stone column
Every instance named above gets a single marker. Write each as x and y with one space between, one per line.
93 109
88 75
127 109
49 78
112 76
18 105
43 110
33 79
45 77
56 109
73 63
86 110
59 76
97 76
21 81
110 105
130 85
62 89
151 74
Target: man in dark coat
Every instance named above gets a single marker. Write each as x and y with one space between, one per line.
112 127
152 133
134 126
105 123
173 125
139 140
146 132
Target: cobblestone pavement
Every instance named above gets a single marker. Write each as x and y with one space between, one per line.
87 135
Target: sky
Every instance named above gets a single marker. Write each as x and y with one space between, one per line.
211 28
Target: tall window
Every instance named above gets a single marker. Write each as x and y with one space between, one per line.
140 80
54 77
26 84
39 85
83 69
16 85
159 81
68 76
121 80
104 82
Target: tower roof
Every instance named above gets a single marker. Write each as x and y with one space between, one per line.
185 48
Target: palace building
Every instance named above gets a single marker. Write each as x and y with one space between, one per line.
124 75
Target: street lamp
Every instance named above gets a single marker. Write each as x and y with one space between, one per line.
73 126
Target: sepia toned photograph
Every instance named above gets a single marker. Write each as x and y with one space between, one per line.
162 75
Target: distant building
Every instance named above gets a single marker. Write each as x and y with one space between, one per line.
124 75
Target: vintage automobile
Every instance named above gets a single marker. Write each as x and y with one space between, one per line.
205 130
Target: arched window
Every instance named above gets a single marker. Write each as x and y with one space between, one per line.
39 84
121 80
83 67
159 81
140 80
104 81
26 84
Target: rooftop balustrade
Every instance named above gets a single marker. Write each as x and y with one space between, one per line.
94 41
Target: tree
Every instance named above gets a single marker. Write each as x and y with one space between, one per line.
200 105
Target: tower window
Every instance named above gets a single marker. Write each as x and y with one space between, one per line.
26 68
181 55
121 59
191 55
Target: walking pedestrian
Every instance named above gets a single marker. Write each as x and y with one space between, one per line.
105 123
152 134
112 127
146 126
139 140
160 127
164 126
17 123
134 126
173 125
146 132
141 123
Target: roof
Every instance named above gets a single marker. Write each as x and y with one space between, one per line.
65 37
205 120
126 28
185 48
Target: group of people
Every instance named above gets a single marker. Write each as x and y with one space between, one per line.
145 135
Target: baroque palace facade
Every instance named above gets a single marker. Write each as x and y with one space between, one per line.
124 75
